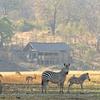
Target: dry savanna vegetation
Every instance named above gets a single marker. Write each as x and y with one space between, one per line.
15 87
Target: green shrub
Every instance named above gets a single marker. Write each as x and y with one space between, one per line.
25 26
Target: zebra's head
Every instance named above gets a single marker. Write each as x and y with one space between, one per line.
87 76
66 68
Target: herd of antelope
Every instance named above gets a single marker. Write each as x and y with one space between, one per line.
57 78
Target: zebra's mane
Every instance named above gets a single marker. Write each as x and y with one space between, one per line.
83 76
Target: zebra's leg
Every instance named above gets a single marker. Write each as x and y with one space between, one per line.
61 87
70 84
44 86
81 86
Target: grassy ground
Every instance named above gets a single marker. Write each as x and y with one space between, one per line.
52 96
15 88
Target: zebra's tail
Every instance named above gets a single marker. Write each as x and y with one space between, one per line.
42 85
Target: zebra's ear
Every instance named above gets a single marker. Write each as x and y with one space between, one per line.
64 64
69 64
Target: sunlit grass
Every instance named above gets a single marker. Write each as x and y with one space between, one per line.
12 77
33 91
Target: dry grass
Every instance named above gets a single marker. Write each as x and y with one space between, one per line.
33 91
13 77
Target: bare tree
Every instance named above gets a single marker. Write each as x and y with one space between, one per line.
50 13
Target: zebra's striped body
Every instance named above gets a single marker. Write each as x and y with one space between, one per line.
78 80
55 77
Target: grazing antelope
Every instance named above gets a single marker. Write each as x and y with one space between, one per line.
78 80
55 77
1 76
18 73
29 79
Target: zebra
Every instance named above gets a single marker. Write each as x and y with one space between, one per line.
54 77
78 80
30 79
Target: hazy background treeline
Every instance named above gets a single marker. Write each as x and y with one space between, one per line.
78 14
76 22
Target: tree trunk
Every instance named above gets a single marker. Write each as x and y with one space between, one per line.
53 23
98 45
1 40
